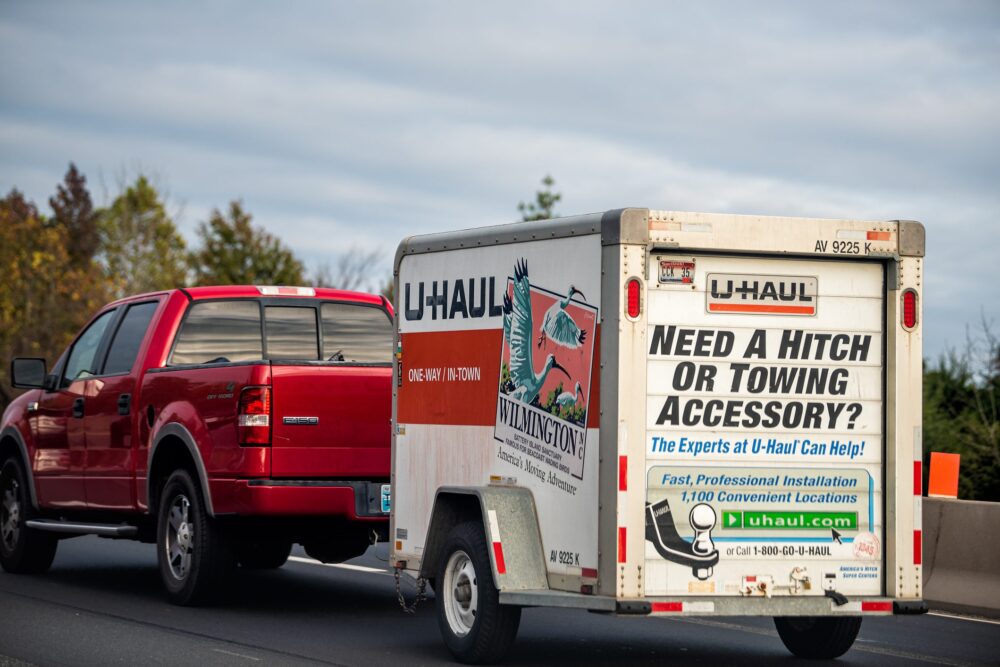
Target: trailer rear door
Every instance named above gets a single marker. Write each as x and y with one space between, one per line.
764 426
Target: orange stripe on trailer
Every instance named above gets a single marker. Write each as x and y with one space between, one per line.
659 607
876 605
623 473
759 308
621 544
918 547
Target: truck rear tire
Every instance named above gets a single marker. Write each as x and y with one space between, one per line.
263 555
195 557
476 628
23 550
818 637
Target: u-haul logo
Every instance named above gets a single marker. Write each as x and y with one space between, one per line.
761 295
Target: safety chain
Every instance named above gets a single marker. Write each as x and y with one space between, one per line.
421 587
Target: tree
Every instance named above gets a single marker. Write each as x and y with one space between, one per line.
234 252
962 413
542 207
73 210
141 249
44 296
352 271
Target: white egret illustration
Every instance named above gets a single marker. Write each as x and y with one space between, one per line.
527 383
559 327
569 399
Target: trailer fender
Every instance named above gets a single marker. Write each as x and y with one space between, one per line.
511 526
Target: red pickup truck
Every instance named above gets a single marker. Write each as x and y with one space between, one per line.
221 423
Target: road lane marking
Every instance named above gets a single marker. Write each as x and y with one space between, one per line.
867 649
343 566
238 655
959 617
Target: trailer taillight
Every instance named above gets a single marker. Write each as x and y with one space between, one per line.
632 300
253 421
909 308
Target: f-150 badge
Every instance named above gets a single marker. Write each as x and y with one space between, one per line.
300 421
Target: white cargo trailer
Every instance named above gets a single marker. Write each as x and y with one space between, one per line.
661 413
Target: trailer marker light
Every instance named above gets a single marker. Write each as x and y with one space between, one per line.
588 572
909 308
632 304
879 236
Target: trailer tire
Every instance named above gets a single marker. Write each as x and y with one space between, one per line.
818 637
476 628
23 550
194 555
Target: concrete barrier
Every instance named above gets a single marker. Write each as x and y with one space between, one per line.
962 555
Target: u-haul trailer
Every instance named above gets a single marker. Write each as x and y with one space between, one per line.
661 413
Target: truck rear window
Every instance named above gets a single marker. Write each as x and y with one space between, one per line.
219 331
230 331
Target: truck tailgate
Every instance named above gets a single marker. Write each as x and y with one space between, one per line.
330 421
764 426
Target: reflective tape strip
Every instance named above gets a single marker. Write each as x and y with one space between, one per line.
918 477
876 606
674 607
621 544
664 607
623 473
918 547
497 543
589 572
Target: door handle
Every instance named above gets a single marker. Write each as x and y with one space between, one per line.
78 408
124 403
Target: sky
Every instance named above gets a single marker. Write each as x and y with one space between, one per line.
347 126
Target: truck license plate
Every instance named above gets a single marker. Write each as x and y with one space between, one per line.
386 497
678 273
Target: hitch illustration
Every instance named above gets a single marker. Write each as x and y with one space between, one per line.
700 555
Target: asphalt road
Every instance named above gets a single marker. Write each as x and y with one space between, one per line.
101 604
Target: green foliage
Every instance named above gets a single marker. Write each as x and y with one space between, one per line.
141 249
962 414
235 252
545 201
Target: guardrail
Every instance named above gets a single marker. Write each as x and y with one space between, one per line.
962 555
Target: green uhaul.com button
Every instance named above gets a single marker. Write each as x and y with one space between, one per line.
740 519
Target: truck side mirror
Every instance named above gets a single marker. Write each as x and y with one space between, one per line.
27 373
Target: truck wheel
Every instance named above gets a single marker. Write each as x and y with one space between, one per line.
476 628
263 555
195 557
23 550
819 637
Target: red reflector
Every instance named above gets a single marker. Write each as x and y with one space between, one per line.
909 309
623 473
632 301
918 547
253 421
658 607
876 606
589 572
621 544
498 555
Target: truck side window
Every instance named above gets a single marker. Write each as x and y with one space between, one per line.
361 334
82 358
217 331
291 333
128 338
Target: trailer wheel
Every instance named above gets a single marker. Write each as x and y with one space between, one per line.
195 557
23 550
818 637
476 628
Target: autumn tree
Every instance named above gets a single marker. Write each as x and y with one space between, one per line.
46 294
235 252
543 206
141 249
354 269
73 211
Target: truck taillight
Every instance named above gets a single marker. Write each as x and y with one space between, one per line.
909 308
254 418
632 300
